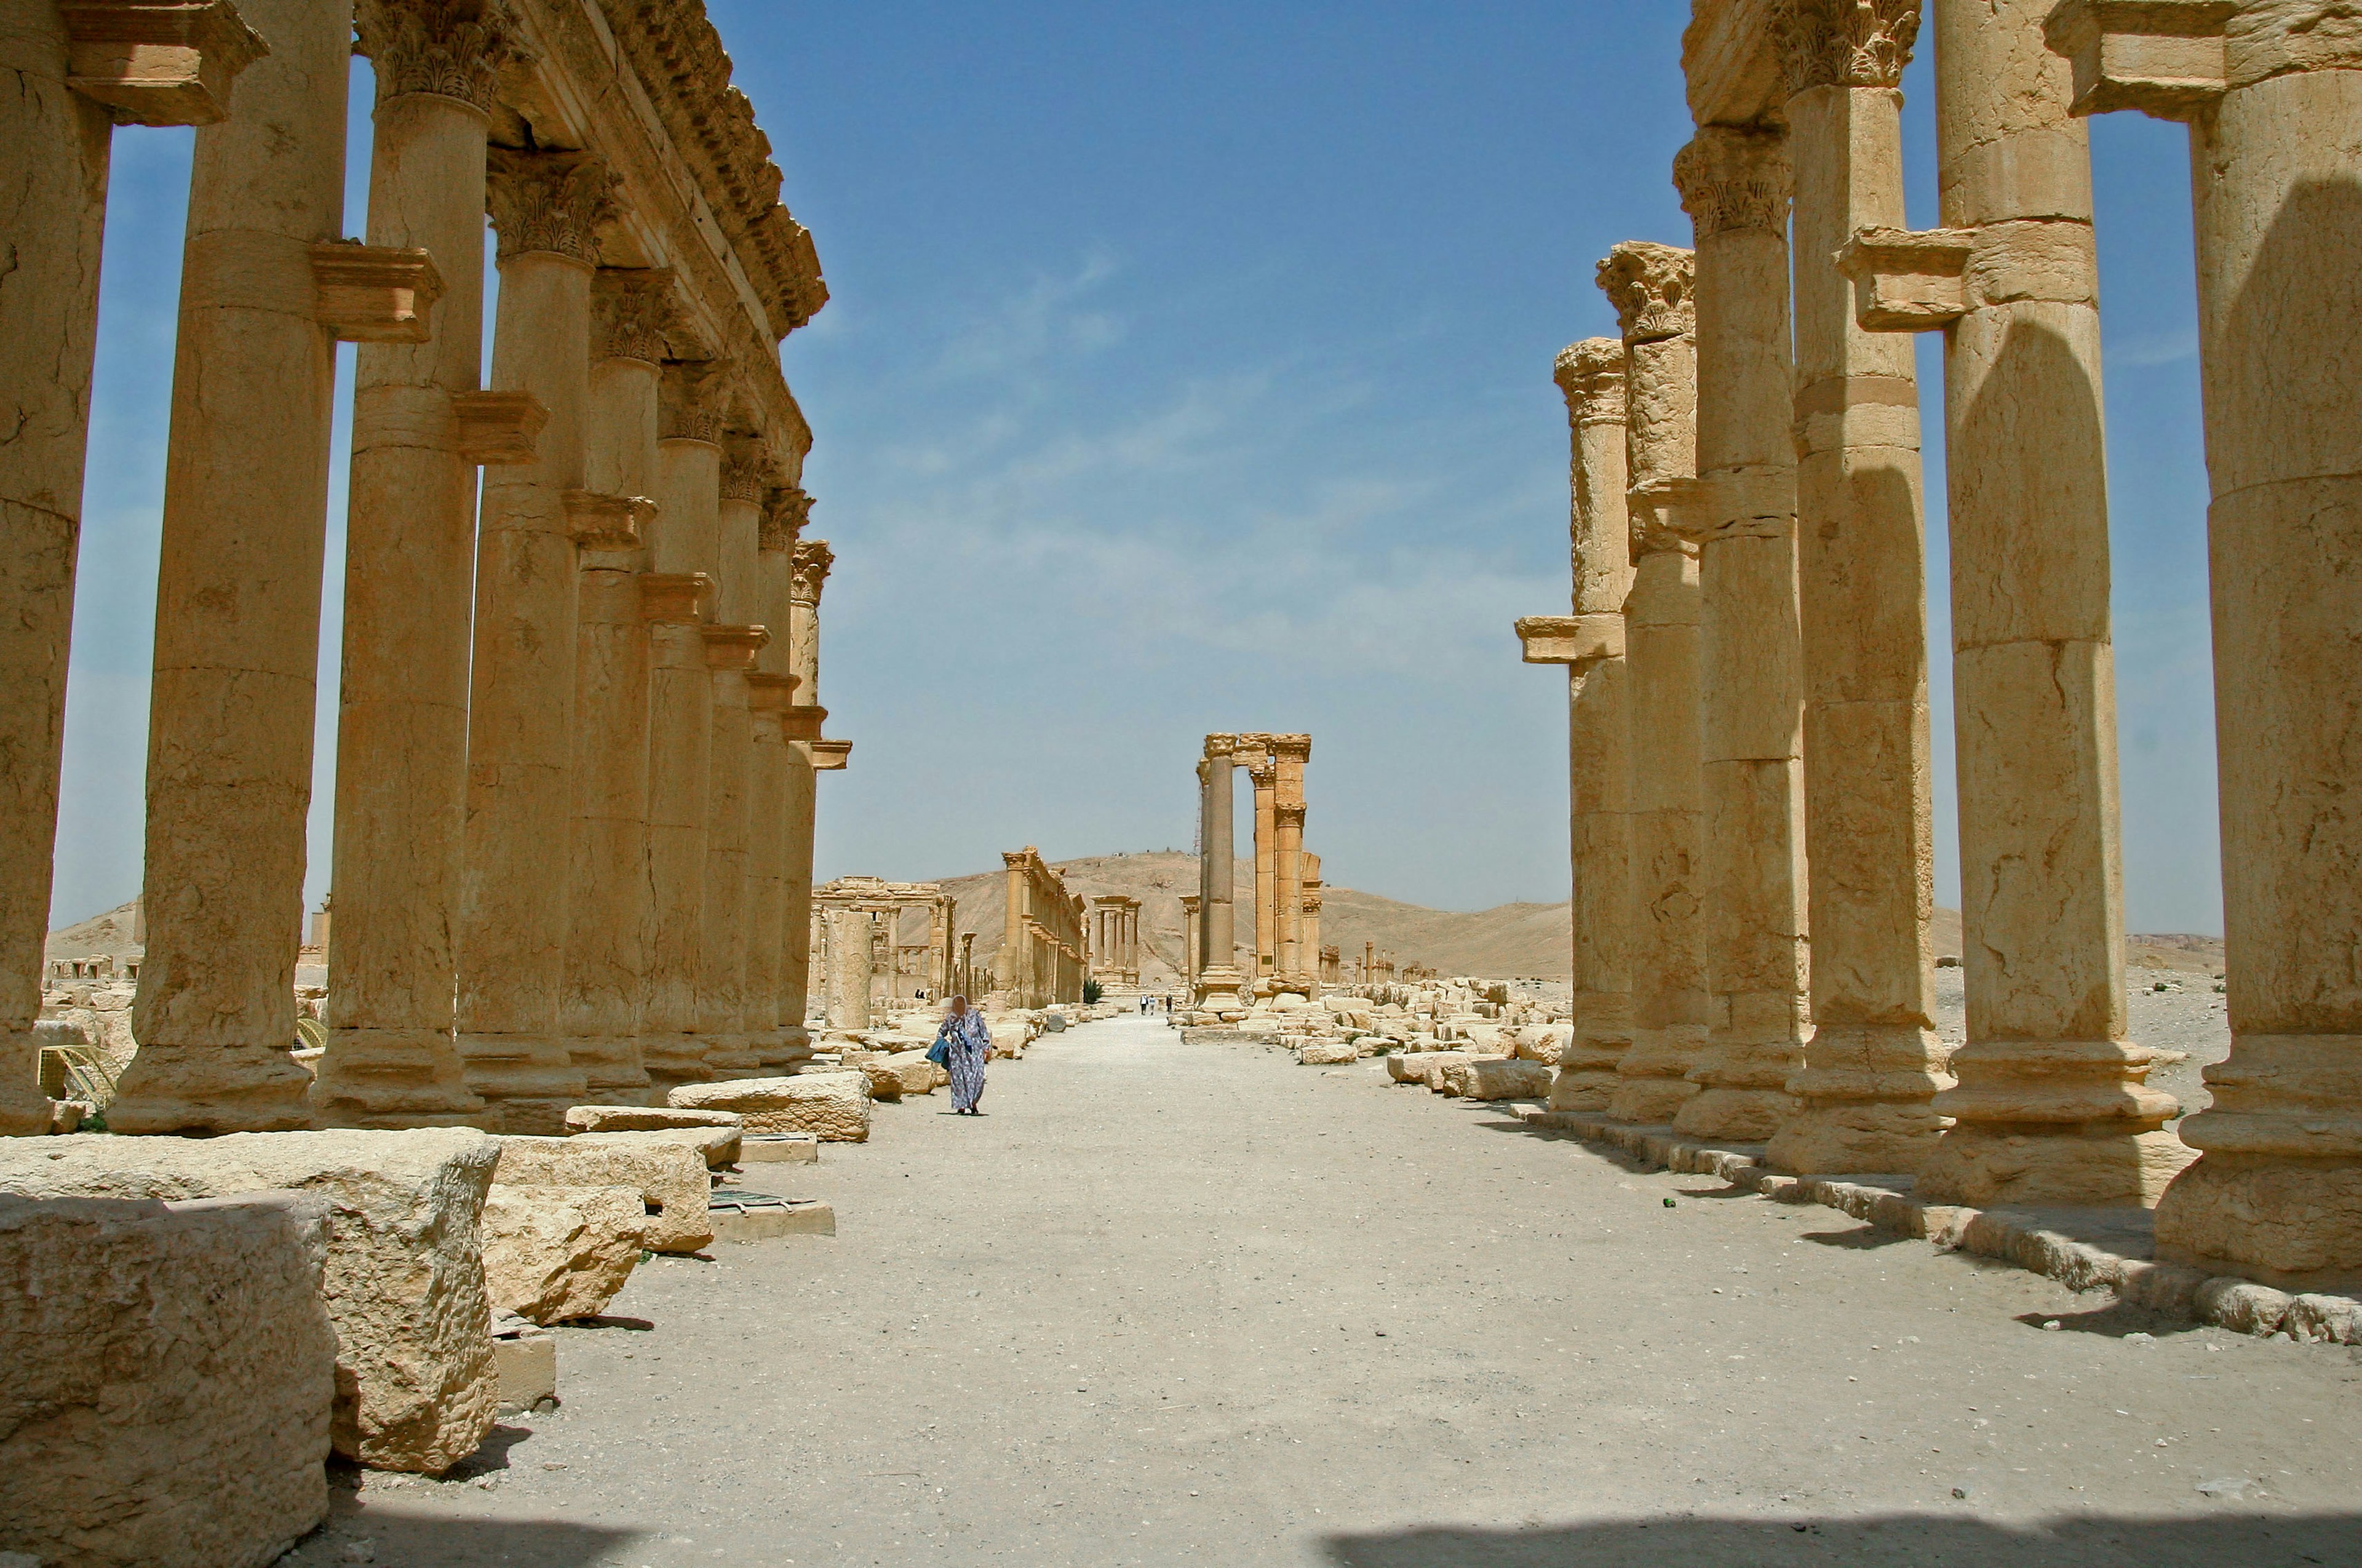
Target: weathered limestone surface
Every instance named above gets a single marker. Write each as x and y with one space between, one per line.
1327 1052
680 734
404 1278
669 1176
556 1253
647 1118
1652 288
1413 1066
835 1105
170 1370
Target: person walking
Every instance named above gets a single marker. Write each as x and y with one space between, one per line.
965 1045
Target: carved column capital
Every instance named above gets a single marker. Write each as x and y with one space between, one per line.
811 560
1844 43
1732 178
1220 747
1653 289
747 473
1291 748
1288 813
552 202
453 48
632 308
1591 374
695 401
787 511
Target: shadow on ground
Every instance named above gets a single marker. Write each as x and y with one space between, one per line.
1918 1540
417 1542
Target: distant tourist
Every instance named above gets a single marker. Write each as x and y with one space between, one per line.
965 1045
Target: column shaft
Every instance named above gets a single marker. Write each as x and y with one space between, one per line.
766 848
1735 185
1870 1064
237 600
680 734
1262 772
1219 980
800 727
721 983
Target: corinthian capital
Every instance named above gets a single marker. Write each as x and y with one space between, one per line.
1653 289
1591 374
1733 178
747 471
632 307
695 401
810 561
787 511
1844 43
455 49
553 202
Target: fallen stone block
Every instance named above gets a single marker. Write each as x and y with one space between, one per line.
834 1105
916 1074
2242 1306
526 1362
1412 1066
779 1148
2334 1318
645 1119
170 1370
1327 1052
667 1174
1543 1042
885 1084
741 1217
1497 1079
404 1278
718 1146
556 1253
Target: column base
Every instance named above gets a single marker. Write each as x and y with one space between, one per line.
672 1060
521 1077
211 1088
1866 1090
24 1109
610 1068
2099 1165
2293 1223
1650 1102
1655 1074
1583 1088
1221 989
386 1079
731 1056
1737 1115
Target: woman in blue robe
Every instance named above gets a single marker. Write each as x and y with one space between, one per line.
968 1046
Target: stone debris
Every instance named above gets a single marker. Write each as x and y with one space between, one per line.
645 1119
404 1277
835 1105
188 1426
668 1172
556 1253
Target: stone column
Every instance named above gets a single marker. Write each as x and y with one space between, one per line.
2273 95
420 428
237 598
1015 964
767 698
1289 754
680 734
1870 1067
2051 1107
1590 643
1219 982
608 909
803 568
1263 773
1190 942
799 727
722 987
547 208
1741 516
813 560
850 941
1649 286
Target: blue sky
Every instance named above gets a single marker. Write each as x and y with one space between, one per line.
1186 374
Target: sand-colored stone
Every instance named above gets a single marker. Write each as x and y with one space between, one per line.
556 1253
835 1105
1871 1064
668 1171
722 998
1652 288
680 734
915 1074
1413 1066
1512 1079
237 598
647 1118
170 1372
404 1278
1220 985
1327 1052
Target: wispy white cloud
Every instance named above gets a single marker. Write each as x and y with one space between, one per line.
2143 350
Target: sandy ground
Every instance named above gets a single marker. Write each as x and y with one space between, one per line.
1194 1304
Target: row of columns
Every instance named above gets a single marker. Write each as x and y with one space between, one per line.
1288 903
1045 952
1756 688
573 799
1115 939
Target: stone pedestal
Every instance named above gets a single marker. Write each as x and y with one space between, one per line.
2277 1193
680 734
237 600
1742 519
546 208
420 427
1650 286
2051 1107
1870 1067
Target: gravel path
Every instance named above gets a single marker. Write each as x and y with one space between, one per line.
1178 1304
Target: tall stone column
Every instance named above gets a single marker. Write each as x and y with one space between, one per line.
1650 287
722 986
1590 643
767 698
1263 775
808 568
1741 515
1015 964
851 941
1289 754
608 909
1220 984
799 726
1870 1067
680 734
2272 92
547 208
237 598
2051 1106
421 426
1192 912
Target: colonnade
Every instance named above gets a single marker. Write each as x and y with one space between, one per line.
578 716
1115 939
1045 951
1287 880
931 965
1746 650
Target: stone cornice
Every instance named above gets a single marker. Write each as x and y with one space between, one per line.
453 49
1292 749
1843 43
554 203
811 560
1733 178
1591 375
632 307
1653 289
